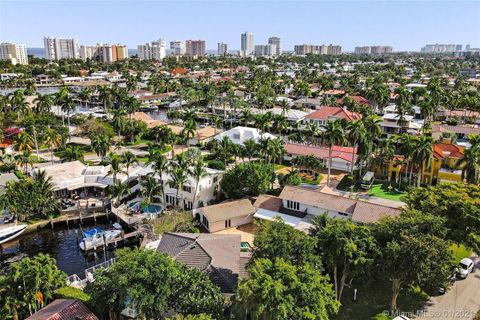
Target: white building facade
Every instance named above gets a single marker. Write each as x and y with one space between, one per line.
61 48
15 53
247 43
177 48
155 50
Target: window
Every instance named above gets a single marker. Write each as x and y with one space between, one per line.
228 223
343 214
169 199
187 189
294 205
215 179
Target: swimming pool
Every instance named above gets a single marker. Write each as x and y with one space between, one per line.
148 209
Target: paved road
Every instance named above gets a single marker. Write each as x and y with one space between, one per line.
462 301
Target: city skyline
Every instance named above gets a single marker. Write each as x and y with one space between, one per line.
425 25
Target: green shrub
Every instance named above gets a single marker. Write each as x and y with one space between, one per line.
72 293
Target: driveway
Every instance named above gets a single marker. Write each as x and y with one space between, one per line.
462 301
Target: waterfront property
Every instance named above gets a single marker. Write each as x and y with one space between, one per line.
83 186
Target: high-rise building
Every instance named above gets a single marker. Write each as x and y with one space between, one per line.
121 52
155 50
265 50
304 49
222 49
87 52
15 53
110 53
247 44
195 48
278 43
458 48
373 50
177 48
438 48
61 48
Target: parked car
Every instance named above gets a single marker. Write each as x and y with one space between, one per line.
451 279
465 266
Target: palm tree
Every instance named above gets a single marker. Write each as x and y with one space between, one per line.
159 164
85 95
115 162
223 149
217 123
105 97
129 159
101 145
263 121
150 188
52 140
422 155
117 191
250 148
23 142
46 187
407 145
189 130
333 135
275 149
198 171
118 120
43 103
356 134
178 178
24 160
313 131
68 105
71 153
471 161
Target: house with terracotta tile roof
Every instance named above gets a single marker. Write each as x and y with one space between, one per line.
325 114
446 164
342 157
358 99
64 309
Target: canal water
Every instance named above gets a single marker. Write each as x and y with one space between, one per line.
60 243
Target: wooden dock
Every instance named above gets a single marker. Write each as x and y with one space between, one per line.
77 217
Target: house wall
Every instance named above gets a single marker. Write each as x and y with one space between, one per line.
316 211
220 225
208 190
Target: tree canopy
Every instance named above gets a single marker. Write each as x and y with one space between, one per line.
247 179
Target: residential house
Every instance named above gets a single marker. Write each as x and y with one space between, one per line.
461 131
342 157
218 255
207 193
444 166
225 215
238 135
298 205
203 135
325 114
391 124
64 309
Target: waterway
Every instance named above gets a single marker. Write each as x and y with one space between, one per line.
60 243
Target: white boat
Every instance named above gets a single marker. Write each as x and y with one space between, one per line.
97 237
10 232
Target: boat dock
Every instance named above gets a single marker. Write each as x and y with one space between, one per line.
136 235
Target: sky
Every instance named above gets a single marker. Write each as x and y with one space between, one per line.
405 25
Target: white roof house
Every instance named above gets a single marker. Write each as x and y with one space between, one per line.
75 175
292 115
238 135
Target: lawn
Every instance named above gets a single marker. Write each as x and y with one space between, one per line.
460 252
278 167
374 297
308 178
381 191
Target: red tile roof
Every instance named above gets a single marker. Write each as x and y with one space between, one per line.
344 153
326 113
357 99
444 150
64 309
